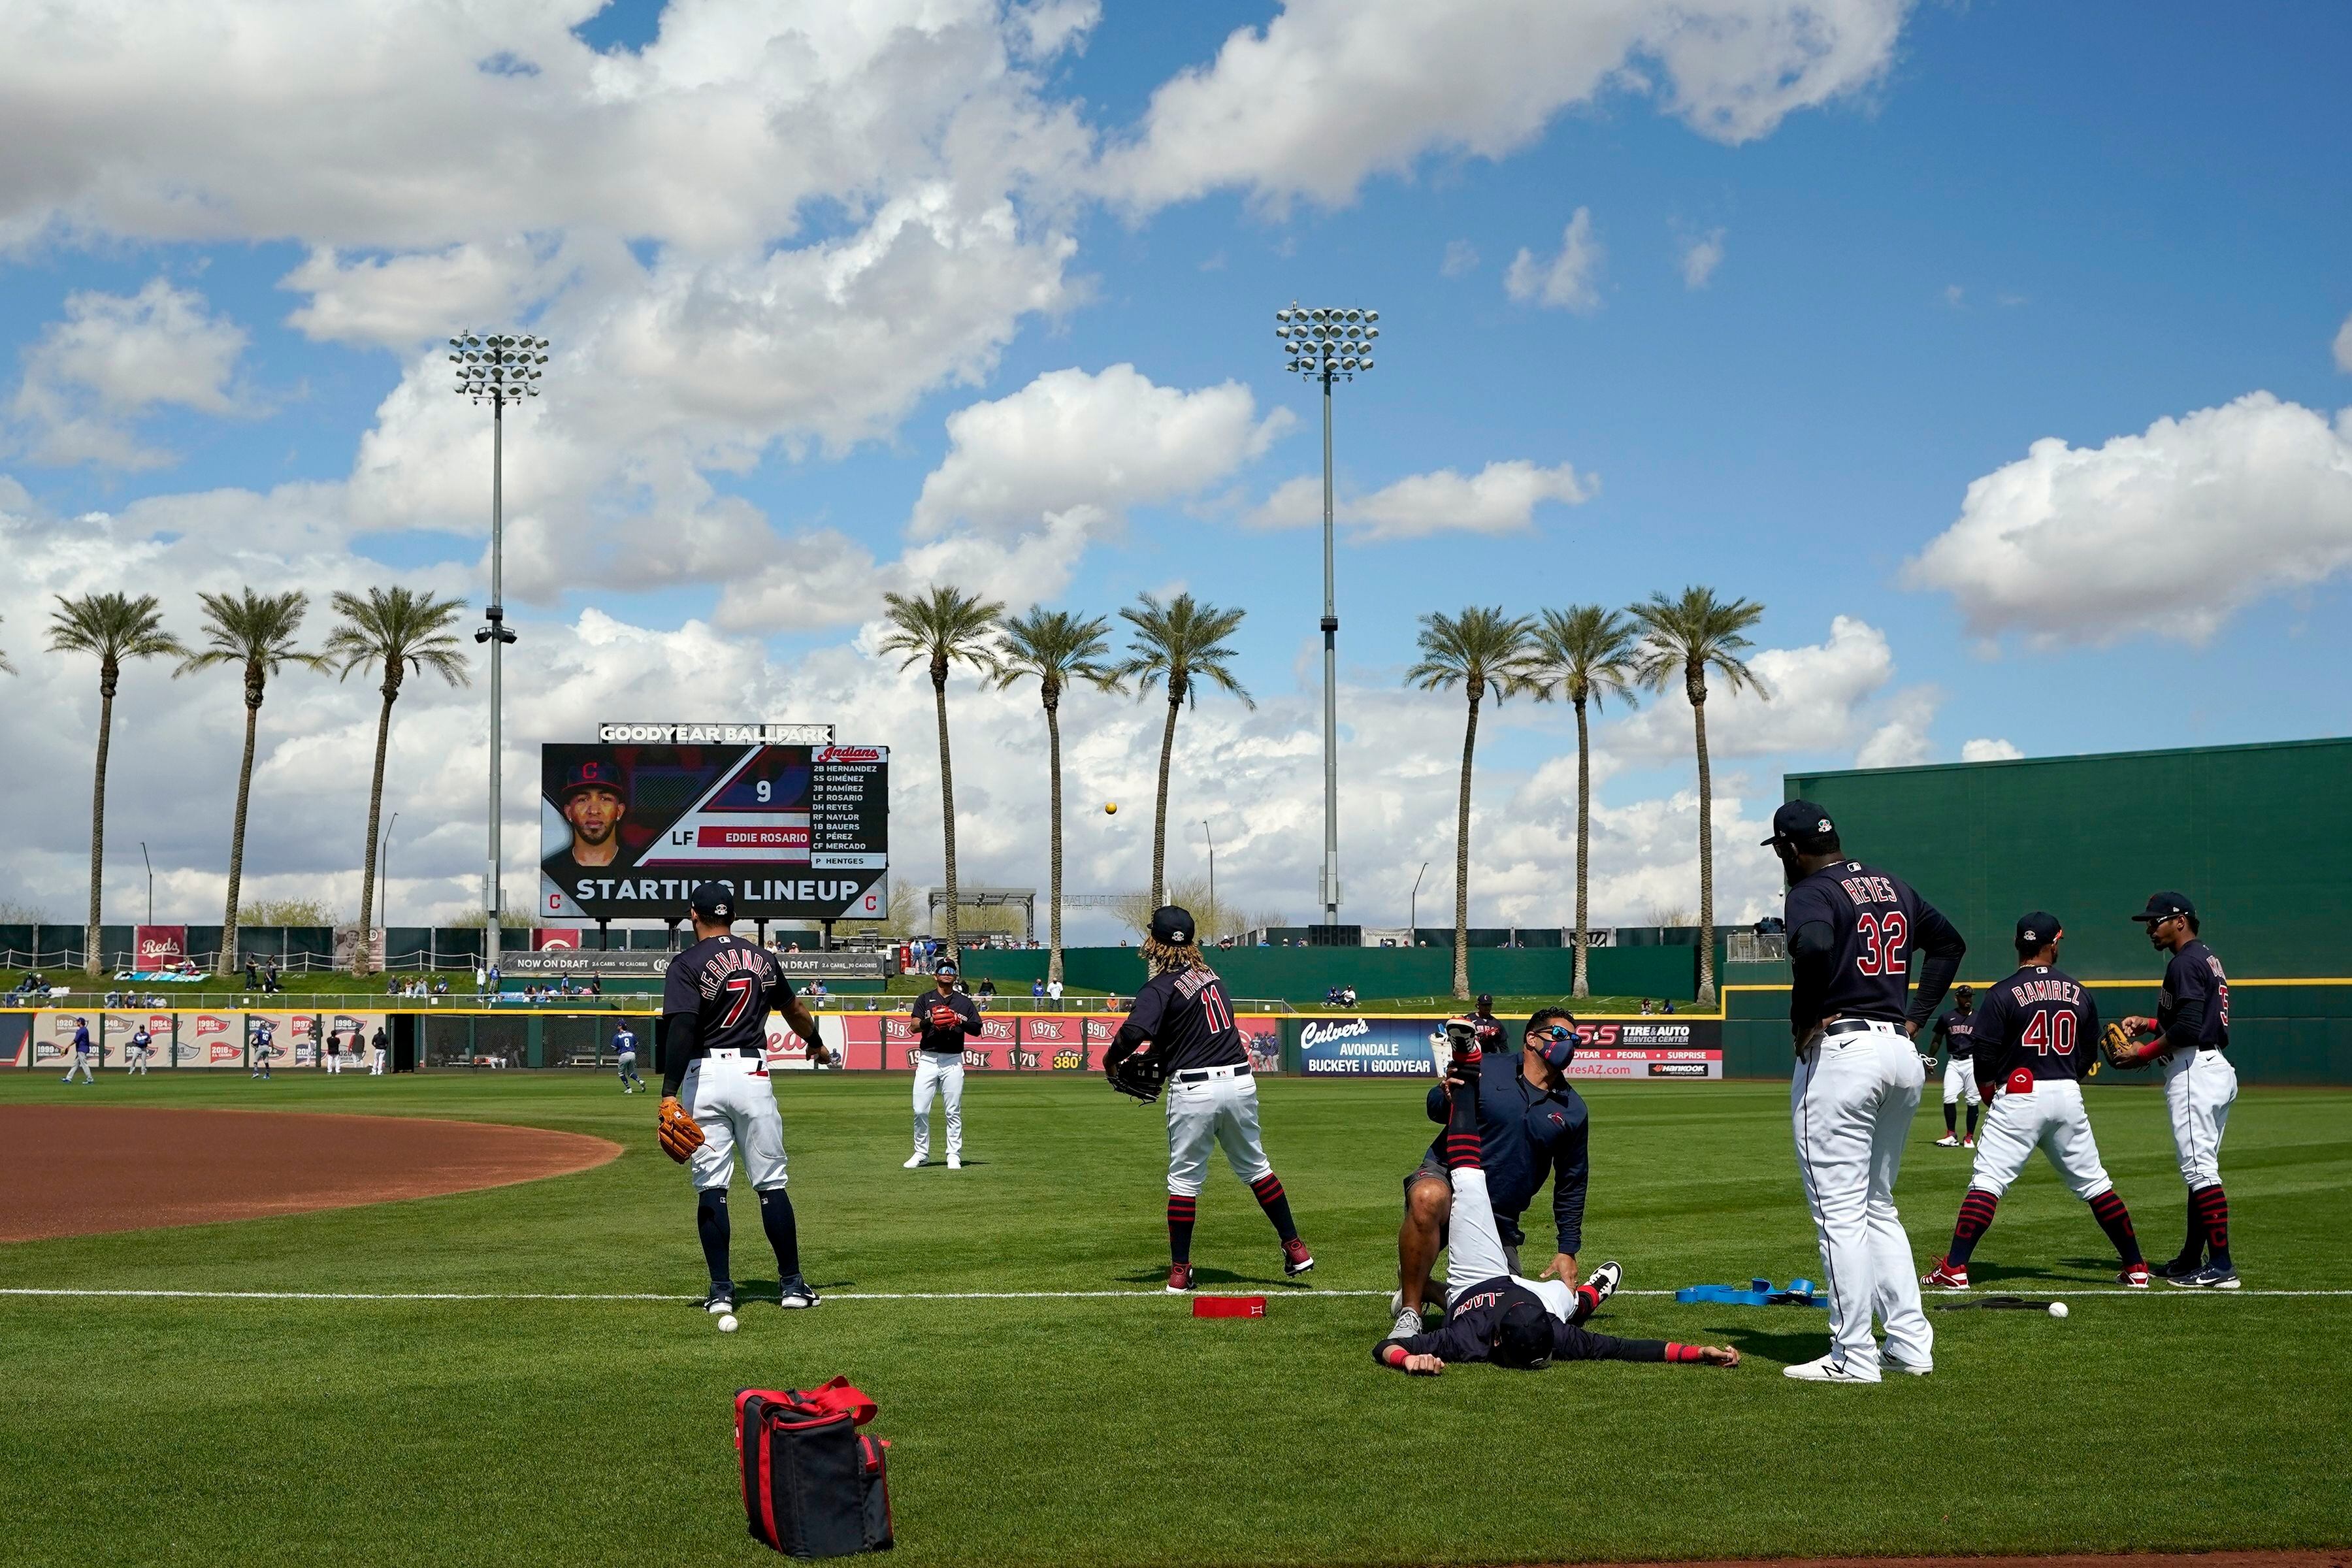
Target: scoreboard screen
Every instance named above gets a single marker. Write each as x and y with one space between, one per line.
799 832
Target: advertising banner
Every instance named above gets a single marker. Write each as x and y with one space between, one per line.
352 1032
347 947
209 1040
1602 1062
1063 1042
15 1039
294 1037
158 947
1369 1048
861 1041
797 831
120 1027
555 938
53 1034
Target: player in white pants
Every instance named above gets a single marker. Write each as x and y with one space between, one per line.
142 1045
947 1017
2192 1022
1955 1034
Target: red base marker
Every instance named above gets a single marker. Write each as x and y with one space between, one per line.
1229 1306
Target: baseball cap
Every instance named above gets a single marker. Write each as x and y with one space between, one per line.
712 900
1171 923
2164 906
2037 927
1803 826
945 966
1523 1338
592 772
1485 999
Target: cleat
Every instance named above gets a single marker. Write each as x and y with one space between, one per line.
2212 1277
1948 1141
955 1161
914 1163
2182 1267
720 1299
1908 1368
1601 1283
1969 1142
1945 1276
2133 1277
795 1295
1295 1258
1407 1324
1824 1371
1180 1279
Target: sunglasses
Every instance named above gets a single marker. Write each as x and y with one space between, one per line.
1558 1033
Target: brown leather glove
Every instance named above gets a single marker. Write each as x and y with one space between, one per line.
679 1133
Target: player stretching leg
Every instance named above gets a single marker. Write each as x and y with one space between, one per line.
1955 1034
2035 1038
715 1093
2192 1022
1851 928
947 1017
624 1056
1491 1314
1182 1014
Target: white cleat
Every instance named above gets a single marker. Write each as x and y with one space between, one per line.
1910 1368
1948 1141
914 1163
955 1161
1825 1371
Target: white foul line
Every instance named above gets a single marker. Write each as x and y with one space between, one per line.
1292 1294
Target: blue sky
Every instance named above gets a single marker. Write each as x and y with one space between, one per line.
1942 235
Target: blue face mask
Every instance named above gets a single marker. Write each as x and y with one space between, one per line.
1558 1046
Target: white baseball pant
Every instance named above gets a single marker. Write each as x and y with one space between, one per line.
1474 1250
81 1066
1851 1102
2199 1088
1216 1111
2050 1118
137 1062
938 1075
375 1061
1961 1081
733 1102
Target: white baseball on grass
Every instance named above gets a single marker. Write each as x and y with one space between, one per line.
727 1323
2057 1310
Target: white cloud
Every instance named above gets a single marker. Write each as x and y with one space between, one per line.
115 356
1818 694
1500 498
400 301
1701 256
1989 751
1902 741
2169 532
1331 91
2344 345
1461 258
1566 281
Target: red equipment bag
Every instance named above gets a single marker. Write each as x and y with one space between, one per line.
812 1483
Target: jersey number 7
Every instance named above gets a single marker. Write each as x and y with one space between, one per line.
740 986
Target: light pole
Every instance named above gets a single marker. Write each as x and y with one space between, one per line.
151 884
1327 343
383 882
1412 908
498 368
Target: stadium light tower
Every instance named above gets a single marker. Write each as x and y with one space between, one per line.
1327 343
496 368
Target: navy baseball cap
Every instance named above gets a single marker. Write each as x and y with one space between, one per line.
712 900
1802 825
2037 927
2164 906
592 772
1173 925
945 966
1523 1339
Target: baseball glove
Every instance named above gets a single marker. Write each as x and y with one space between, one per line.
2118 1048
946 1018
1136 1071
679 1133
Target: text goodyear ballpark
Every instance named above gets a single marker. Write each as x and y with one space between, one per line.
618 733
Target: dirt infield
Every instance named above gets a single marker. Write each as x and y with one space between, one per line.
77 1170
2330 1559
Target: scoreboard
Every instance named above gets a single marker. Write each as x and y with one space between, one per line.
799 832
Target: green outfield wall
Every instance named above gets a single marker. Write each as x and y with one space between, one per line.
1304 974
2260 837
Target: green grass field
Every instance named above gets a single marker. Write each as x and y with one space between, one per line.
1117 1428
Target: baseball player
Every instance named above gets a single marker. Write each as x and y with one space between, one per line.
142 1043
2036 1035
1851 929
947 1017
1183 1016
379 1052
2192 1027
1531 1126
82 1049
1954 1035
715 1093
265 1046
624 1056
332 1050
1491 1314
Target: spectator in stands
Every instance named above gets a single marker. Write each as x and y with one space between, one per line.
1645 1007
987 993
1038 989
1347 995
1053 992
1667 1007
269 977
252 975
441 987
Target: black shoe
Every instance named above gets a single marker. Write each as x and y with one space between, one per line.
2183 1266
1602 1282
720 1299
795 1295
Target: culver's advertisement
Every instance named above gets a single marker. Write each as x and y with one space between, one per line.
1608 1047
1385 1048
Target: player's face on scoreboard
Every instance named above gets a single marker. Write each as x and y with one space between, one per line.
595 817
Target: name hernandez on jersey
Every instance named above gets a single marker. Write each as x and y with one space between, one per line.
729 986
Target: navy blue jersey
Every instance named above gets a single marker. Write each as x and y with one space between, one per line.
623 1040
2039 1017
1852 931
949 1040
1476 1317
729 985
2196 996
1956 1033
1187 1016
1526 1134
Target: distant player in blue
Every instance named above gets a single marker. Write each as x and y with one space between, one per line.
142 1045
625 1054
265 1046
81 1050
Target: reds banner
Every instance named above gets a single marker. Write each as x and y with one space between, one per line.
555 938
158 947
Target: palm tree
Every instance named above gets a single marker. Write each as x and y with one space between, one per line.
940 628
1178 644
1685 637
257 631
6 667
1481 651
402 633
1586 652
1055 647
114 627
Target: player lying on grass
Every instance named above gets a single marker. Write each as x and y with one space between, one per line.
1491 1314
